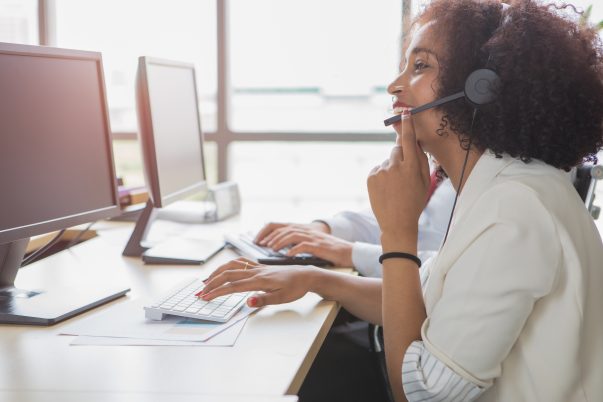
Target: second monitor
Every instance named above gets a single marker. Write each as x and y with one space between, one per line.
172 145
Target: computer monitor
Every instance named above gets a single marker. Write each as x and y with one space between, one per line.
171 138
56 168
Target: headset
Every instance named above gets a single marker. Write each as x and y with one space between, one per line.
481 87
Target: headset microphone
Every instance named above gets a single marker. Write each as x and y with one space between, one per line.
481 88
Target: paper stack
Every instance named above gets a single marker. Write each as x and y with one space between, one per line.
125 324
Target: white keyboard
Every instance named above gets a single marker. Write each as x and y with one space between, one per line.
182 301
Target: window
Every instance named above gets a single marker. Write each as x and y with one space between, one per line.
183 30
323 177
294 67
304 67
312 65
19 21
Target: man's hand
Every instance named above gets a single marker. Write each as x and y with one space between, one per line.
273 229
312 238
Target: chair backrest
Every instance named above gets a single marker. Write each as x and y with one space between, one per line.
584 178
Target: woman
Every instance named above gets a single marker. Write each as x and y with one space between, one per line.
509 310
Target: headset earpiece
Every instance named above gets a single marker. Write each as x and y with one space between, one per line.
481 87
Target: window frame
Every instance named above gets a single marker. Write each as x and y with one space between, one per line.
224 135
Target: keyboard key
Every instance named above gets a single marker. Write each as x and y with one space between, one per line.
232 301
183 301
218 314
206 311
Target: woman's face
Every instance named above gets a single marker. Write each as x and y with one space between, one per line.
417 84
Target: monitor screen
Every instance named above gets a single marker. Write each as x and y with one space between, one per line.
56 171
175 129
56 163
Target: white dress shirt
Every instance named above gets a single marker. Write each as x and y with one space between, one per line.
514 297
362 229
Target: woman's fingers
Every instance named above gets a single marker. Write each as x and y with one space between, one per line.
408 141
265 299
241 263
243 285
228 282
396 156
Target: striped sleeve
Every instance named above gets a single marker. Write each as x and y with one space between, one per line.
426 378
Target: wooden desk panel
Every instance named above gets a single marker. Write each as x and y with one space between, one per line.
271 357
40 396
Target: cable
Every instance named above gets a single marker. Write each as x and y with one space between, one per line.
74 241
456 197
31 258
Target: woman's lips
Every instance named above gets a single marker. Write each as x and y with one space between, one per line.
401 108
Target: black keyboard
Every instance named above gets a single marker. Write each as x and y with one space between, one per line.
265 255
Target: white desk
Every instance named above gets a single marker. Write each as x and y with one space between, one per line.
271 357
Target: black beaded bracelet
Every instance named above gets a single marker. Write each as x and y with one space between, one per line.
396 254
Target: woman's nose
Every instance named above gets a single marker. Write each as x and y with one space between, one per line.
395 87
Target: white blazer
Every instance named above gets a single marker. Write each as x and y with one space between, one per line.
514 298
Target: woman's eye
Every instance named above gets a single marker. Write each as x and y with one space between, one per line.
419 66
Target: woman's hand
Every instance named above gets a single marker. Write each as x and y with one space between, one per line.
280 285
398 188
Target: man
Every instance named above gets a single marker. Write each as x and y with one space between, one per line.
352 239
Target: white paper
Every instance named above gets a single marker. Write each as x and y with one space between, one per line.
227 338
127 320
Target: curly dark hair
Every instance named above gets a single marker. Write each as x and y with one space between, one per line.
550 103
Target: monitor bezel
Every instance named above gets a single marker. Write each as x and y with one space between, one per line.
147 133
38 228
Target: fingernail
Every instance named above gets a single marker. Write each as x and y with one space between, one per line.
205 280
252 301
199 294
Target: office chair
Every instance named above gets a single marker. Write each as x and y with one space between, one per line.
583 177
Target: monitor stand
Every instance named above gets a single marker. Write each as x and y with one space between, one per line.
177 250
134 248
47 306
